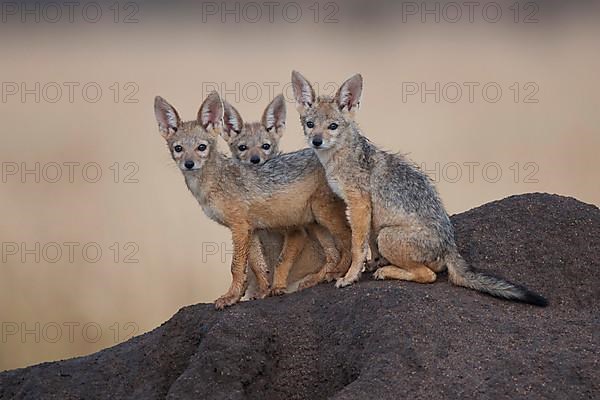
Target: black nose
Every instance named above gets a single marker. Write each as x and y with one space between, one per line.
255 159
317 141
189 164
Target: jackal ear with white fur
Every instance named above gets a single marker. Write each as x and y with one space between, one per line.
210 114
232 122
273 118
166 116
303 92
348 95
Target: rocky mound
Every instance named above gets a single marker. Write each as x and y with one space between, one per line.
385 340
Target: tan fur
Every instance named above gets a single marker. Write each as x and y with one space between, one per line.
308 262
359 214
235 196
293 244
401 263
260 270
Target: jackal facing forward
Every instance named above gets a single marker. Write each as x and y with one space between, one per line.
392 205
299 252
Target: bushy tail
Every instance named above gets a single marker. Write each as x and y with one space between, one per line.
461 274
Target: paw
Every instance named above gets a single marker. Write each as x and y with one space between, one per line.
263 293
226 300
310 281
379 275
345 281
373 264
332 276
307 283
260 294
277 291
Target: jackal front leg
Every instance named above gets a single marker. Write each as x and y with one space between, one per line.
241 237
359 214
258 265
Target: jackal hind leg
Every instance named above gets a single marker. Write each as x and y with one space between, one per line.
406 254
333 226
330 253
293 244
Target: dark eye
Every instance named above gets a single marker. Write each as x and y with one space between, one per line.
333 126
310 124
202 147
242 147
178 149
266 146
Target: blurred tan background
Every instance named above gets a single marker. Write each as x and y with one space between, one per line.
157 247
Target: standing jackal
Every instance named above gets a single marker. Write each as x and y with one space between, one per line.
299 252
290 192
392 205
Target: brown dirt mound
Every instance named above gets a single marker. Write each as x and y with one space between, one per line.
384 340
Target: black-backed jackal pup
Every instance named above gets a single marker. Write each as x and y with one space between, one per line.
392 205
298 254
290 193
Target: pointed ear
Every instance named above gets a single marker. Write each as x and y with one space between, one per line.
232 122
303 91
210 115
166 116
273 118
348 95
